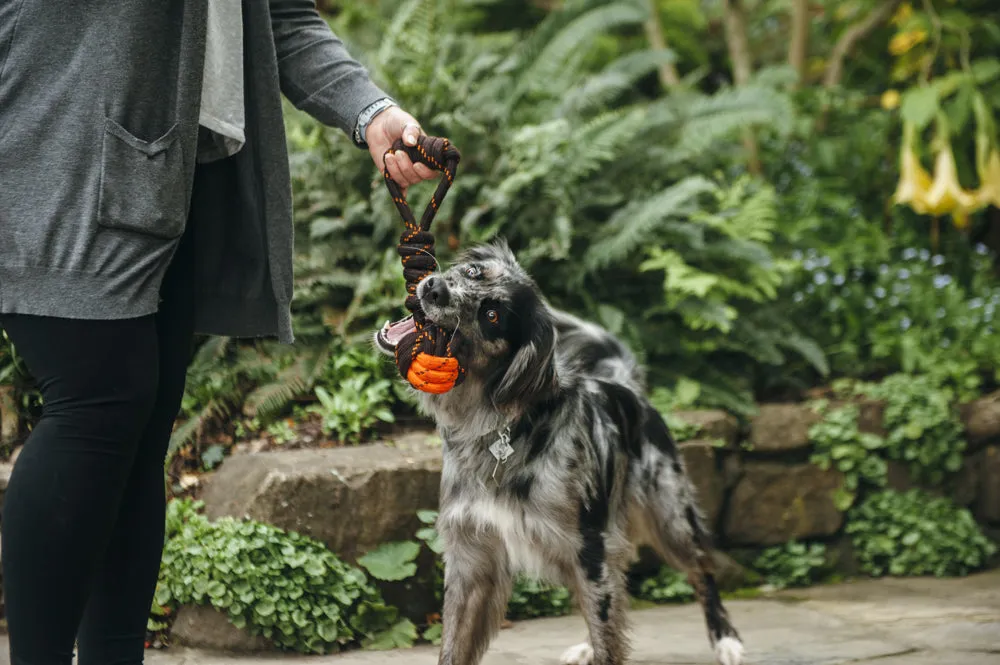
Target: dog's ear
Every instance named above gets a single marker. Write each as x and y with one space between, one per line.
531 374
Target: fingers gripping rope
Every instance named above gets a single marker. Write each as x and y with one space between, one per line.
425 359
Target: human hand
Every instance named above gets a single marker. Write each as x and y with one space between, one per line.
384 130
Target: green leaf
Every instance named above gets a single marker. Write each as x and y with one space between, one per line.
919 105
213 456
401 635
433 634
392 561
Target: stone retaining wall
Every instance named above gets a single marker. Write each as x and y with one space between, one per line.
755 484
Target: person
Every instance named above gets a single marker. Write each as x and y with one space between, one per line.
144 198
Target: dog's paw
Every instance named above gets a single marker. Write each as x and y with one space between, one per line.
729 651
580 654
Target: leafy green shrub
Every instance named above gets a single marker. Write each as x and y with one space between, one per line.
356 391
917 313
838 443
531 599
666 401
667 586
793 564
924 429
913 533
284 586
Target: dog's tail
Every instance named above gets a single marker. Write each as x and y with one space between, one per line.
665 508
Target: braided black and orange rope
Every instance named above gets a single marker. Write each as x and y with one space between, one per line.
427 359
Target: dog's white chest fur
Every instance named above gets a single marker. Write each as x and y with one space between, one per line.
524 535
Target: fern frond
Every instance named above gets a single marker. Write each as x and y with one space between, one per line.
211 350
600 90
633 226
573 40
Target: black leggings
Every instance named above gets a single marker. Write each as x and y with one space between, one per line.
83 514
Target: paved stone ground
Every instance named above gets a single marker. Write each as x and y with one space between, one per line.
885 622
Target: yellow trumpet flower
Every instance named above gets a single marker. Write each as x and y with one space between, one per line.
946 194
914 181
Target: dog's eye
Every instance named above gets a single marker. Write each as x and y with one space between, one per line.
492 316
473 272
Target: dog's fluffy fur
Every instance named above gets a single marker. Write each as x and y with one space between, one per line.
593 463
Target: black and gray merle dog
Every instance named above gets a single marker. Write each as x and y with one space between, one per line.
554 462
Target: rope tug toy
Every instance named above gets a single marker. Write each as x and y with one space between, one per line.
425 359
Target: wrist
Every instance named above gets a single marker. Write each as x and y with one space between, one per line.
366 117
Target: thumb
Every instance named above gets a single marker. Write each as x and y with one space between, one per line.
411 132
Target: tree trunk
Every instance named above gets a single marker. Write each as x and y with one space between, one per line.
853 35
658 42
798 46
742 62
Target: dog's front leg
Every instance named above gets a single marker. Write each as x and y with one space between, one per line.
477 586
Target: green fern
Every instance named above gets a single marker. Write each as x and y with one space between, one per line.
635 225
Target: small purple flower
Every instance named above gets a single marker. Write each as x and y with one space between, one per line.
937 260
879 292
924 255
905 323
909 254
869 303
797 255
820 278
809 264
975 303
824 261
903 273
797 297
981 249
945 343
838 280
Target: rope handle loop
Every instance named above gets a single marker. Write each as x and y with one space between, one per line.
434 152
427 360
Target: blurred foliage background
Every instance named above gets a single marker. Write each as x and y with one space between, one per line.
758 195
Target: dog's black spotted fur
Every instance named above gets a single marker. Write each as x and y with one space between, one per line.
593 465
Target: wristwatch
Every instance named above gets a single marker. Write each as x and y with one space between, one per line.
366 116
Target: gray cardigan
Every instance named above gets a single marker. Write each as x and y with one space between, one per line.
99 106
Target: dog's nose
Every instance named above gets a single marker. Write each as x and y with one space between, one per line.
436 292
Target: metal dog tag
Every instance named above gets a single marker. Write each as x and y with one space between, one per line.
501 450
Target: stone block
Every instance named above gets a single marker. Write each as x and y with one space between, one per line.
988 503
352 499
712 424
207 628
781 427
981 418
774 503
699 462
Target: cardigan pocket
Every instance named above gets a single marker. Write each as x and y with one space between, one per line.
143 186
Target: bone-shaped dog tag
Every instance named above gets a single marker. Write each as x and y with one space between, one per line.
501 450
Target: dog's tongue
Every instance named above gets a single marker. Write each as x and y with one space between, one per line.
395 332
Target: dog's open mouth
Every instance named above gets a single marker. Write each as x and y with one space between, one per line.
392 333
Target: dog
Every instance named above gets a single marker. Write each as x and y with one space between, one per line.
554 462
